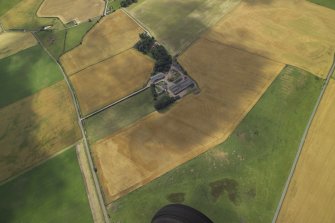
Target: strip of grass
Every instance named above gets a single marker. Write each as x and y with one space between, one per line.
76 34
326 3
240 180
119 116
52 192
5 5
25 73
114 4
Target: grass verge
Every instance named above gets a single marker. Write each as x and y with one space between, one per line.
240 180
52 192
26 73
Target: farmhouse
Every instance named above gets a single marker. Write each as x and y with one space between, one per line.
157 77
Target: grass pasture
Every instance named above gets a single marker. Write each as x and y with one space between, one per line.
231 82
68 10
111 80
51 192
313 181
119 116
60 41
35 128
291 32
9 43
240 180
25 73
23 16
176 23
326 3
112 35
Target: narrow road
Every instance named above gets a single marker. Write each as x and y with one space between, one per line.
331 71
77 108
98 215
114 103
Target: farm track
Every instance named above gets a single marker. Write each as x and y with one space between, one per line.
98 215
76 104
302 143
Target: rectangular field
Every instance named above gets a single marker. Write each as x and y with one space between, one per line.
112 35
240 180
11 43
51 192
119 116
311 194
35 128
177 23
23 16
291 32
111 80
26 73
231 82
69 10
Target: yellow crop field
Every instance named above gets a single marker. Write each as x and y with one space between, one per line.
311 194
35 128
9 43
112 35
112 79
68 10
292 32
231 82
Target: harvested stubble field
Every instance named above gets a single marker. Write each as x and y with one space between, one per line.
241 179
30 129
51 192
11 43
293 32
23 16
311 194
231 82
112 35
176 23
111 80
69 10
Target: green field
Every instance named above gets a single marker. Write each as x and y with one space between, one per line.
60 41
53 192
240 180
75 34
326 3
5 5
119 116
26 73
176 23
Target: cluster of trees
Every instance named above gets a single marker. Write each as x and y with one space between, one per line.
126 3
163 102
147 45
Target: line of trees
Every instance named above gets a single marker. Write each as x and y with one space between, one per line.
163 102
147 45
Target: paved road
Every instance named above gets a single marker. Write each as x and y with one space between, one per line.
77 107
331 71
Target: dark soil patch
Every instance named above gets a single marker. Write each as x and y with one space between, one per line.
228 185
176 197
